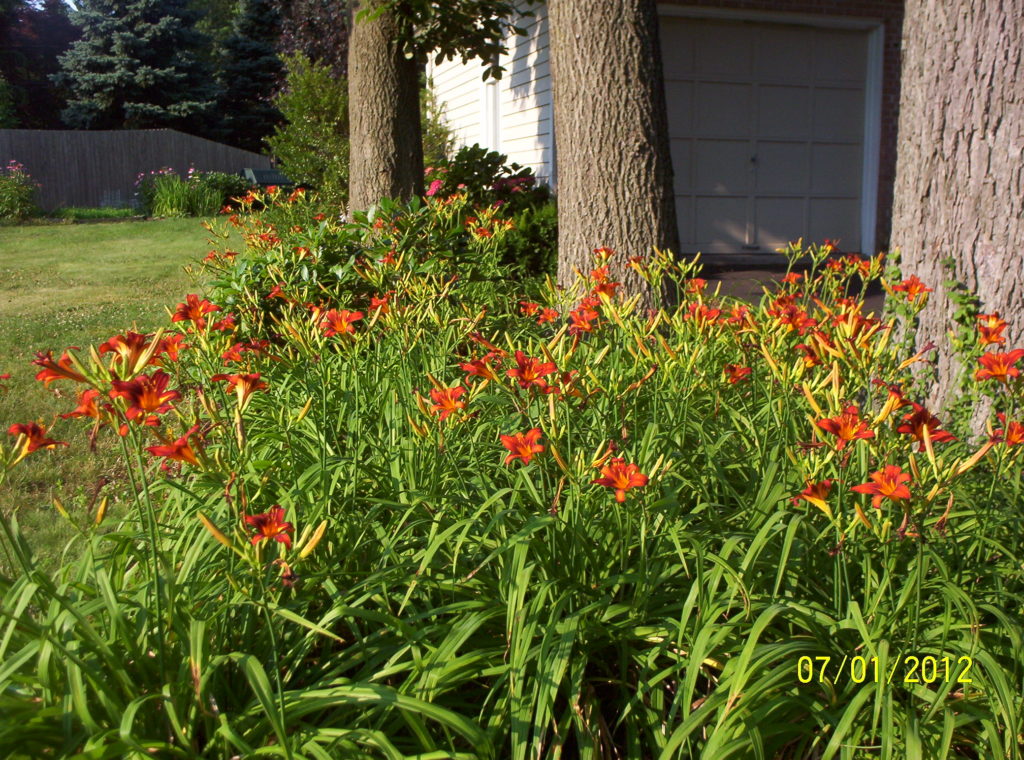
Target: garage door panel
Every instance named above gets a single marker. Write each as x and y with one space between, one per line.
838 114
839 56
682 162
836 170
676 48
776 218
684 220
766 125
723 49
723 109
720 223
784 111
836 219
722 167
783 168
782 55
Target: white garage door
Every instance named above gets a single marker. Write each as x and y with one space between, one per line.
767 130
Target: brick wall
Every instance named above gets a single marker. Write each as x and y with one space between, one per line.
890 13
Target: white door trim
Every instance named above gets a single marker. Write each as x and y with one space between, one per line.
873 81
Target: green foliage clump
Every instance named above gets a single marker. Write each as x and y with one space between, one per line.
17 193
312 143
393 503
162 193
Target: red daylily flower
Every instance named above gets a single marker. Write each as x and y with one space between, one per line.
147 396
480 367
381 302
271 526
243 385
35 437
792 278
734 373
913 287
522 445
990 329
277 292
339 322
816 494
847 427
129 348
194 310
61 369
529 371
87 406
528 308
581 320
621 476
177 451
547 315
916 422
224 325
997 366
172 345
446 400
888 483
1011 433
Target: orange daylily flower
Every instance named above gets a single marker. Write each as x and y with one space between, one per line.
603 282
34 436
129 348
243 386
581 320
997 366
340 322
446 400
888 483
528 308
547 315
271 526
224 325
621 476
913 287
696 285
847 427
146 395
1012 433
382 302
990 329
734 373
916 422
51 370
816 494
177 451
522 445
87 406
172 345
194 310
529 371
480 367
791 278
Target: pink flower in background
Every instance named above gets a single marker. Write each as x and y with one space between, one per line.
436 185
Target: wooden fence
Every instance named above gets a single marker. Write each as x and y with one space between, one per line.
99 168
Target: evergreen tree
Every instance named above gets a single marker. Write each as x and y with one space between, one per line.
250 75
137 65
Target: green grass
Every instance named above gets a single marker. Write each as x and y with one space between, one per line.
76 285
75 212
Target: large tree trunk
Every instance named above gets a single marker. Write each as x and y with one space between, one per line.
959 190
386 147
614 167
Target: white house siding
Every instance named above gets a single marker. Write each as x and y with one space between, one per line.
513 115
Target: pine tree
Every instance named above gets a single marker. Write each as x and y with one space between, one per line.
137 65
250 75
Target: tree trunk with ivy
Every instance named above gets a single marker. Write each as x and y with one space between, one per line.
613 163
386 147
958 210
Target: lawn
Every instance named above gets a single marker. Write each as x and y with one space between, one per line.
76 285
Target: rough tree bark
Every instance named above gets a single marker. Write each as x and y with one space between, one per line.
613 161
386 146
959 189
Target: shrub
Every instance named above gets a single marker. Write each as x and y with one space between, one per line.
312 144
486 179
390 505
163 193
17 193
